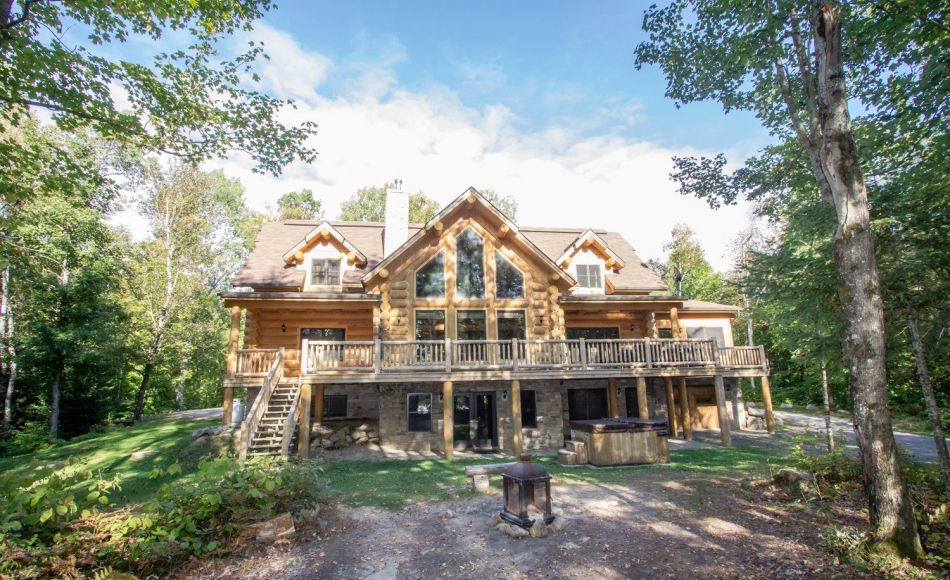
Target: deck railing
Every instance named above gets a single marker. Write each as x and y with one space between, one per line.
739 357
383 356
255 361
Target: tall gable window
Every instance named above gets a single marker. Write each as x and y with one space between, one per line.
324 272
588 276
430 279
470 281
509 281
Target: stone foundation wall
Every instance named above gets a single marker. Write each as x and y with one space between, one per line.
362 401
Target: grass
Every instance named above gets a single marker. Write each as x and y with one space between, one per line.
394 484
110 453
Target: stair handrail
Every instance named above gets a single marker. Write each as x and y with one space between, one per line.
293 417
259 407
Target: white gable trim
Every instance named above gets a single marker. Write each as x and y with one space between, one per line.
325 231
591 238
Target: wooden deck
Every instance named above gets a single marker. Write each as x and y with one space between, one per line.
382 361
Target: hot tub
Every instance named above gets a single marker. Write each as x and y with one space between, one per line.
628 441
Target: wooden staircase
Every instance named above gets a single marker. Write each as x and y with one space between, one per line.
276 432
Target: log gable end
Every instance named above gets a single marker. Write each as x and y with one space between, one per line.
396 281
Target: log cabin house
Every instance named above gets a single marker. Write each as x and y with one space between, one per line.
469 332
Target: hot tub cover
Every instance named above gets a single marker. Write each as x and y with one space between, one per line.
622 425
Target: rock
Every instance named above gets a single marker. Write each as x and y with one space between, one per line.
207 432
372 434
786 405
144 454
539 529
364 427
496 519
310 515
480 483
275 528
558 525
516 532
798 483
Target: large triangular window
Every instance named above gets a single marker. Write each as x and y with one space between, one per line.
470 253
430 278
509 281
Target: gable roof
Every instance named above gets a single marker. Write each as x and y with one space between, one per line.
265 268
470 196
590 237
325 230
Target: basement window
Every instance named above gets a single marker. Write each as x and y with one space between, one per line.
334 406
529 410
419 410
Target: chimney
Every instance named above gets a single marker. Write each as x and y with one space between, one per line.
397 218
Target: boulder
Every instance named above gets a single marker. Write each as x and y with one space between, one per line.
144 454
539 529
558 525
275 528
207 432
516 532
798 483
480 483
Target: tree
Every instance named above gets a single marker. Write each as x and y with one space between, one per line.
368 204
300 205
687 272
784 61
175 266
186 102
503 203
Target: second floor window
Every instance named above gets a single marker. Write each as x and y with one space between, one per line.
588 276
324 272
430 279
470 254
509 281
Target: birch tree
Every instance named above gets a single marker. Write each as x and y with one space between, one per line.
784 61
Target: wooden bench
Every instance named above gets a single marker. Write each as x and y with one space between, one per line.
480 473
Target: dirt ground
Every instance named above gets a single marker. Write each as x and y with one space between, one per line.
663 525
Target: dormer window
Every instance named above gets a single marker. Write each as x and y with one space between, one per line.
589 276
324 272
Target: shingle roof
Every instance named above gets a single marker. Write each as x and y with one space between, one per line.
703 306
265 268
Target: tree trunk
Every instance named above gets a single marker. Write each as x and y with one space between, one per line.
54 404
932 409
891 512
826 396
180 391
6 335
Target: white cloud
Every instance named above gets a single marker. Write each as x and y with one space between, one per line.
376 132
291 71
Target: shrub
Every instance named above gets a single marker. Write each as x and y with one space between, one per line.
833 471
202 513
31 437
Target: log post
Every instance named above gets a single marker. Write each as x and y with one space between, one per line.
725 424
319 391
234 338
685 420
675 327
517 443
303 433
767 404
448 420
613 406
642 403
670 405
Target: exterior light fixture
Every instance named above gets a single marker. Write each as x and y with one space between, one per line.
504 395
283 327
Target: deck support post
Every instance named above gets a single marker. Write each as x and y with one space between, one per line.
767 404
448 420
725 423
670 406
303 433
234 338
613 406
642 402
685 420
675 324
318 398
517 443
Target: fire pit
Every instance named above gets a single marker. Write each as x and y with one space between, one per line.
527 488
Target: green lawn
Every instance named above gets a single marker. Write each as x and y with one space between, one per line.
389 484
110 451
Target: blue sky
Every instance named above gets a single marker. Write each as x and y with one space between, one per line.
540 101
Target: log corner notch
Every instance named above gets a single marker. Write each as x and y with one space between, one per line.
234 339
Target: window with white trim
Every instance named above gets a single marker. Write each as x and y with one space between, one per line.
589 276
419 411
324 272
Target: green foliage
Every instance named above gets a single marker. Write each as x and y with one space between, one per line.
687 272
835 471
188 102
201 514
37 508
300 205
30 437
369 204
506 204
